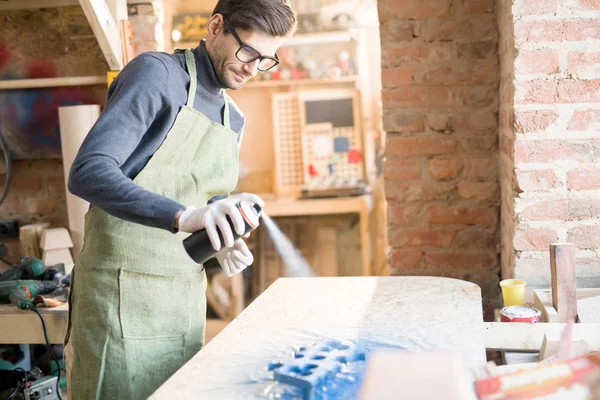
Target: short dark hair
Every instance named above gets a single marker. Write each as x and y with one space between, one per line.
272 17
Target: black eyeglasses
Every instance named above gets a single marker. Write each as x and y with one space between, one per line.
247 54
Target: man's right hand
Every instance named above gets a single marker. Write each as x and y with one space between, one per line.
215 215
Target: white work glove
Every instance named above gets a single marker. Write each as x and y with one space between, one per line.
215 215
235 259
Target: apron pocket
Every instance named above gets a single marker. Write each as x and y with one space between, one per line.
153 306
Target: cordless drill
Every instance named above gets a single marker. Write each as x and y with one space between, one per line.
29 268
21 293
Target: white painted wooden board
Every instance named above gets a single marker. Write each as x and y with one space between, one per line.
421 313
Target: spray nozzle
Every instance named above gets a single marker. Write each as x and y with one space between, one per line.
257 209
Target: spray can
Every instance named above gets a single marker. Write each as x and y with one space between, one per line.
198 245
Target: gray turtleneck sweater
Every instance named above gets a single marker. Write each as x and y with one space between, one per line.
141 107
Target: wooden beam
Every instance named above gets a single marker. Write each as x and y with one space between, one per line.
564 281
7 5
529 337
20 326
52 82
106 30
544 304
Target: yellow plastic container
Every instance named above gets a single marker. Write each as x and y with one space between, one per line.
513 292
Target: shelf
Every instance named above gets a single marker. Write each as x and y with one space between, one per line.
9 5
52 82
297 40
299 82
319 38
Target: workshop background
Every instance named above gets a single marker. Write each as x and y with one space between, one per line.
479 118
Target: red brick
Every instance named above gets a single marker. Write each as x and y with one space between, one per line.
544 30
444 169
572 209
463 216
537 7
533 121
25 184
403 56
11 205
56 186
476 120
584 120
476 50
481 170
584 179
558 91
413 9
585 5
537 62
468 28
478 95
40 206
417 96
479 145
478 6
459 260
537 180
401 258
585 237
421 238
462 75
584 65
425 146
392 77
477 238
480 191
406 214
439 122
398 121
581 150
420 192
398 31
529 239
401 169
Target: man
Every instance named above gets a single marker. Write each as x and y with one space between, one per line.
159 164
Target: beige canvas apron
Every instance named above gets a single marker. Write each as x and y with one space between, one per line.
138 305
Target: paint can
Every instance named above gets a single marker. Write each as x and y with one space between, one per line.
520 314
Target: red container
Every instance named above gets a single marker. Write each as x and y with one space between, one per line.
520 314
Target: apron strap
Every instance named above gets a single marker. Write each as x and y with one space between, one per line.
190 63
226 111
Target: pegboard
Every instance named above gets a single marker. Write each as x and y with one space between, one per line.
288 145
332 148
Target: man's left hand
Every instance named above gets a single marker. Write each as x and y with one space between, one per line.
235 259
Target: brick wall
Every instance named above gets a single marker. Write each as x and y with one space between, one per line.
552 188
440 74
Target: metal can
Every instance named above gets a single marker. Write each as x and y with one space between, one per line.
520 314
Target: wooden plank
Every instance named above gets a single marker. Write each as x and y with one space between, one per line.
544 304
588 310
29 238
529 337
106 30
436 314
281 207
7 5
325 256
21 326
564 281
52 82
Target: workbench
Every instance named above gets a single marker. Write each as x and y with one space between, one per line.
24 327
418 313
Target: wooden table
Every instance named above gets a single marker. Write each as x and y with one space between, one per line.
413 312
24 327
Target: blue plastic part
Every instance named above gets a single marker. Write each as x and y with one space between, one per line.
312 367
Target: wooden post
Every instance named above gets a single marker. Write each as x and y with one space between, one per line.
29 238
564 285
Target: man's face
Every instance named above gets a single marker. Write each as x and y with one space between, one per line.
232 72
